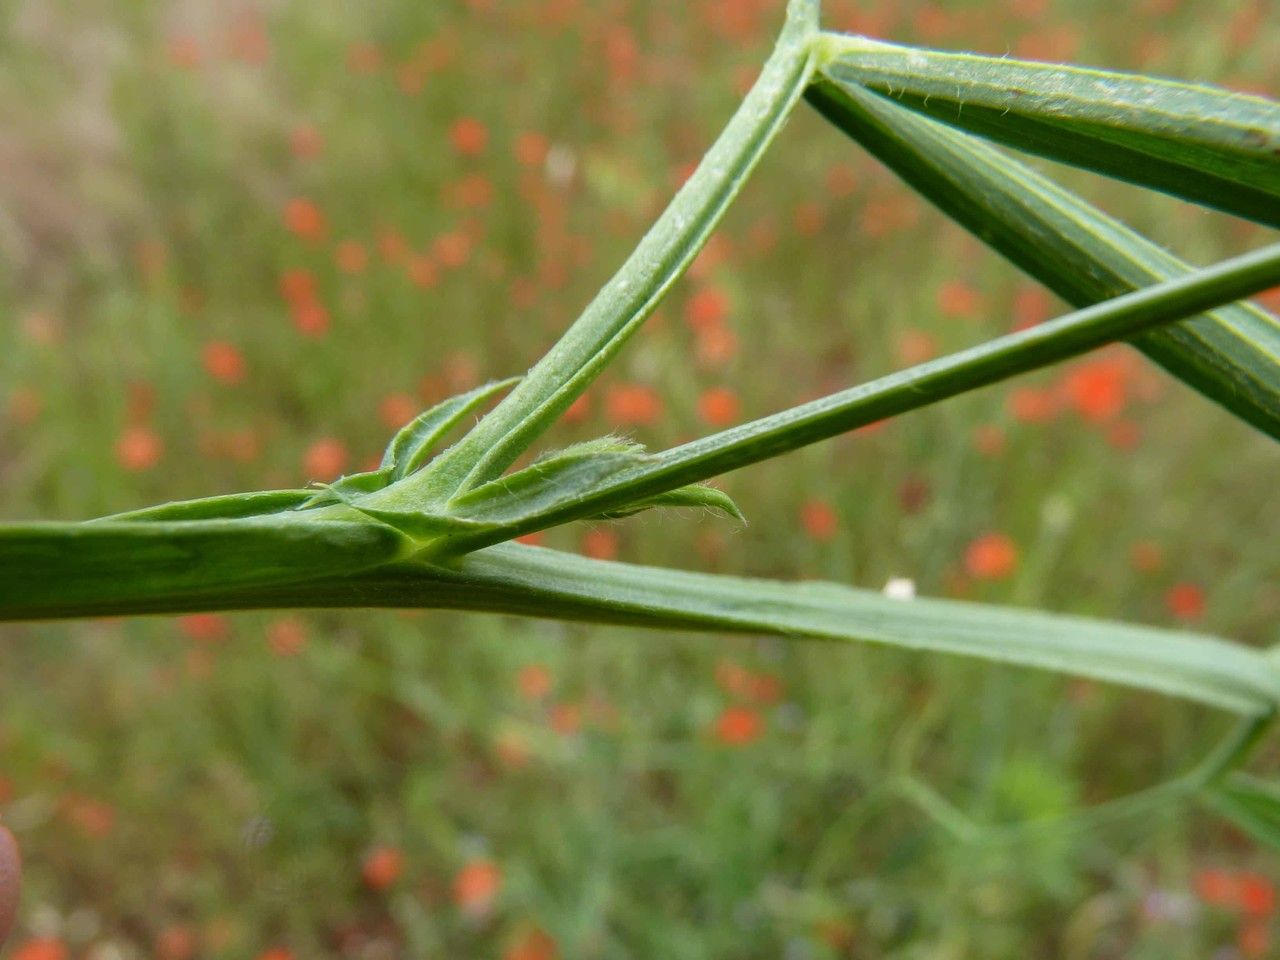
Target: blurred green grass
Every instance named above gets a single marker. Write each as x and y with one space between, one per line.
216 786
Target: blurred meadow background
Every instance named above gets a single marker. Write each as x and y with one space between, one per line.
242 242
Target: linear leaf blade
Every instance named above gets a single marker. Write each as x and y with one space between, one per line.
633 294
414 443
1251 803
227 507
1231 354
529 581
697 495
1198 142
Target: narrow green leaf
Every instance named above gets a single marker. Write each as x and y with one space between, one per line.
515 579
906 390
1231 355
634 292
694 495
559 478
123 567
1198 667
226 507
1252 804
1202 143
348 488
409 449
414 444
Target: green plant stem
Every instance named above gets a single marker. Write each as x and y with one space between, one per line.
919 386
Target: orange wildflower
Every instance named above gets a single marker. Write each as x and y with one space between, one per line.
1031 306
24 405
461 371
716 346
176 942
578 411
475 190
185 53
808 218
304 219
1257 894
286 636
224 362
707 308
913 495
298 286
1146 556
988 439
469 136
532 149
41 948
534 944
842 180
534 681
957 299
714 255
633 404
739 726
476 886
819 520
276 953
351 257
916 346
248 41
719 406
1186 601
733 678
512 748
363 58
204 627
599 543
1097 389
1032 404
392 246
1217 887
452 249
532 539
1124 435
91 817
411 77
992 556
422 270
142 400
41 328
765 688
1254 939
382 867
311 318
565 718
397 409
139 448
325 459
622 54
306 142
